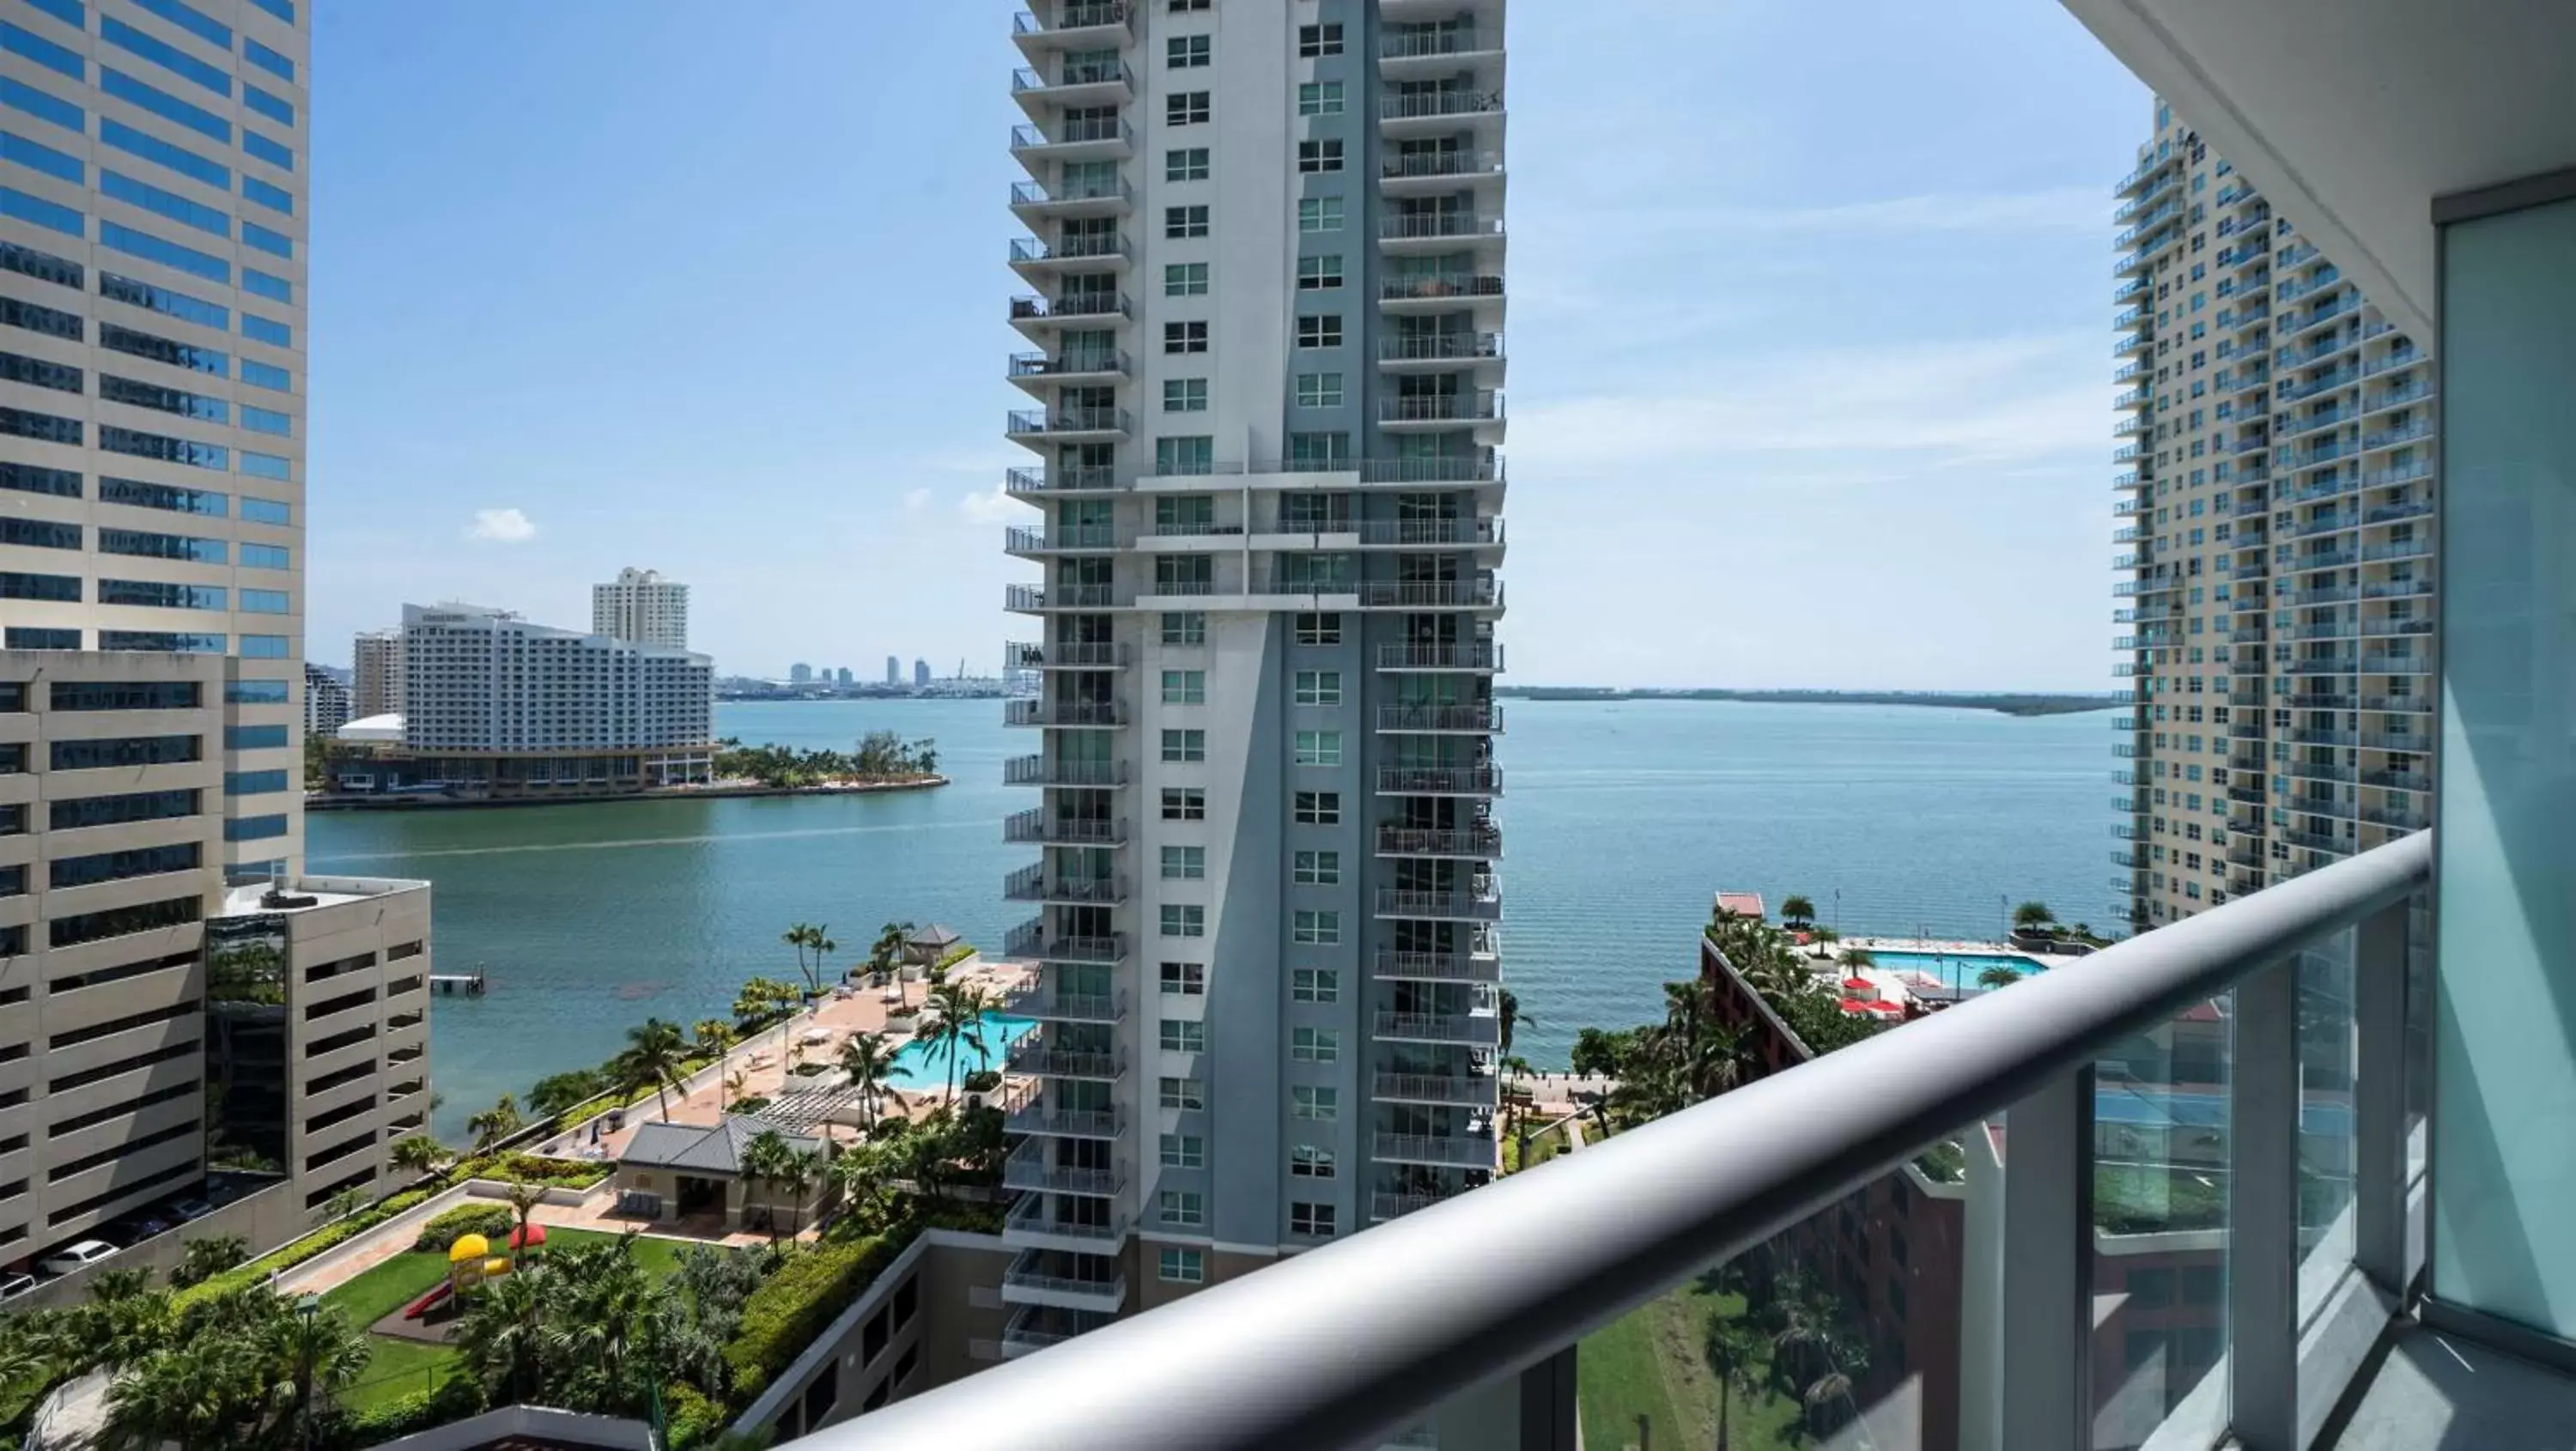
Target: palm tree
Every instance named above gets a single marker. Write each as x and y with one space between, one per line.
797 1170
867 1058
1800 914
2034 916
525 1196
494 1124
176 1396
1846 1360
823 947
764 1161
1722 1058
886 956
500 1341
730 1084
655 1054
861 1172
315 1355
710 1037
418 1153
960 1026
800 937
1507 1006
1999 976
1732 1349
203 1259
1856 957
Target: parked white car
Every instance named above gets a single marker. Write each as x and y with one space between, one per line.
79 1257
12 1286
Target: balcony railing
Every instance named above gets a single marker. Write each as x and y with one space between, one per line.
1477 904
1039 771
1440 781
1082 305
1061 480
1475 655
1448 101
1421 289
1476 1029
1469 1151
1441 347
1111 363
1036 826
1483 843
1073 73
1479 407
1431 594
1476 965
1031 1056
1074 713
1459 1088
1412 43
1422 533
1401 165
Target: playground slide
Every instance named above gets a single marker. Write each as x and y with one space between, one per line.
428 1302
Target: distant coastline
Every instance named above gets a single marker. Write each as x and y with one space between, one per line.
2005 703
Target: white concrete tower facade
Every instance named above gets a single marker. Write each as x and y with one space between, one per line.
640 605
2277 491
1264 311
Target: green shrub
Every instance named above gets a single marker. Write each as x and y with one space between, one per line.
491 1221
809 1070
693 1420
529 1169
796 1303
754 1104
956 955
983 1080
296 1252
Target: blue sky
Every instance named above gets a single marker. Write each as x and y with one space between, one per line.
1809 332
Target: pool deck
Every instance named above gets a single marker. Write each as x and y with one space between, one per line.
1905 984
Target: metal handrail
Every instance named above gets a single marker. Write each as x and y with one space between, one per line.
1350 1341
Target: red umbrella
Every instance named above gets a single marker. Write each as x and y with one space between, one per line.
1863 1005
1861 984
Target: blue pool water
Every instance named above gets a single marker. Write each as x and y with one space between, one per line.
1955 969
916 1067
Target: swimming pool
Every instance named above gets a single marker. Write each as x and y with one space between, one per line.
1955 969
917 1066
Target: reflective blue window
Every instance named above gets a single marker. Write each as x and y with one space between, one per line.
15 203
266 511
267 375
268 241
264 420
21 638
161 153
167 642
160 594
52 428
276 198
256 281
69 12
136 393
266 647
255 692
162 350
282 9
42 51
265 602
32 479
255 828
162 104
165 55
168 254
141 495
190 19
266 466
267 330
254 783
263 556
162 300
274 153
36 156
17 95
51 322
170 204
267 60
39 372
273 107
43 266
160 446
144 544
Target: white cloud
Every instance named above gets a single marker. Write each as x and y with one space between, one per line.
502 526
990 506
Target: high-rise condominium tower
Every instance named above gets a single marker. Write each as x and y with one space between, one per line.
163 1008
376 677
1265 278
640 605
2278 494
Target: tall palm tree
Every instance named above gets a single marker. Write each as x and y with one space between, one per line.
176 1396
797 1170
418 1153
861 1172
731 1084
1999 976
1721 1058
764 1159
800 937
315 1357
1800 914
1507 1007
868 1059
2034 916
710 1037
654 1057
960 1027
500 1339
495 1123
1846 1360
823 947
1732 1350
886 956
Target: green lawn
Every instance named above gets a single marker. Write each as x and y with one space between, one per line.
1648 1363
397 1368
388 1287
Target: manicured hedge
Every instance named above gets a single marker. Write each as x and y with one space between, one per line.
796 1304
288 1256
530 1169
492 1221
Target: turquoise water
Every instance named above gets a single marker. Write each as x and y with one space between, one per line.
1622 819
917 1066
1957 969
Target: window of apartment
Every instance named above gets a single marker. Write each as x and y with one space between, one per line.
1315 1045
1319 390
1318 868
1185 337
1185 1094
1181 1266
1320 1103
1184 687
1306 1161
1184 747
1185 163
1185 279
1185 395
1319 98
1319 274
1183 7
1185 52
1180 223
1319 330
1178 921
1319 629
1183 1035
1319 748
1185 627
1319 156
1319 214
1185 979
1319 687
1180 1206
1184 803
1185 108
1314 928
1184 863
1319 808
1314 41
1184 1151
1312 1221
1315 985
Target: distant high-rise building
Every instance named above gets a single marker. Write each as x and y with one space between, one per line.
376 682
326 701
2282 657
800 673
894 671
920 672
519 705
846 678
640 605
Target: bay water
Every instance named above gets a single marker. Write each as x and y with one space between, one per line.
1621 819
